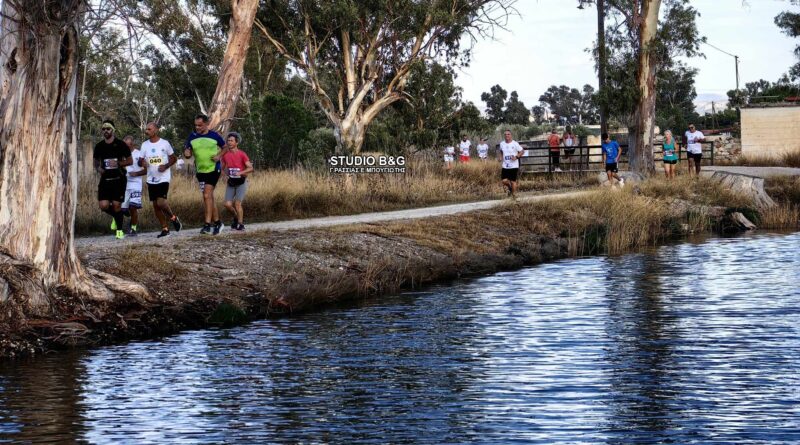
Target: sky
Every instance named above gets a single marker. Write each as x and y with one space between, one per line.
546 45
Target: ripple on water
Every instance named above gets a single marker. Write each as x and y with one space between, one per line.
688 343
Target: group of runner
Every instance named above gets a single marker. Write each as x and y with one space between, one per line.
510 152
121 166
464 149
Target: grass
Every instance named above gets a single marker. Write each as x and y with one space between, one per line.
785 190
288 194
787 159
607 221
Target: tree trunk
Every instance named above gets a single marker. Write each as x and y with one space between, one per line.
38 168
643 132
350 136
223 105
602 61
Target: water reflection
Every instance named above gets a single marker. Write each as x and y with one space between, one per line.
692 343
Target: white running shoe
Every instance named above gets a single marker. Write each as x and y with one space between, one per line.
622 182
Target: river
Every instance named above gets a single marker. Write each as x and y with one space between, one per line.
697 342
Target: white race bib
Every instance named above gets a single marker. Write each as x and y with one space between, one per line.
233 172
109 164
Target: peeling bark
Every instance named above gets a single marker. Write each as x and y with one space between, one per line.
226 96
643 132
38 168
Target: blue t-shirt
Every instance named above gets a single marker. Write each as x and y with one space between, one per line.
611 149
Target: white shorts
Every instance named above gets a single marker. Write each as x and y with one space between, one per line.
133 198
448 158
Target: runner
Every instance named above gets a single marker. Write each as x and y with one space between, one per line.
464 147
237 166
449 153
555 150
133 189
670 156
110 156
611 153
510 151
158 158
483 150
694 150
206 146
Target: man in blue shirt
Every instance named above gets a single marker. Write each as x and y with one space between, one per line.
611 153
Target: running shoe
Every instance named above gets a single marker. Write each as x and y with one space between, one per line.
163 233
176 223
239 227
120 234
622 182
218 226
206 230
132 232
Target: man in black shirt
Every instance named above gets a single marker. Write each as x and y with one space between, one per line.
111 156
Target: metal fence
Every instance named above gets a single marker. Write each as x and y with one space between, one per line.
589 158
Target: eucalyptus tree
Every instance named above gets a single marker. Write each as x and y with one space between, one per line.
357 56
643 39
38 169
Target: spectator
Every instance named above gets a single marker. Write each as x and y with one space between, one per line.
555 150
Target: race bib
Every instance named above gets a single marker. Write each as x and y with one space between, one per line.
109 164
202 187
233 172
136 195
156 160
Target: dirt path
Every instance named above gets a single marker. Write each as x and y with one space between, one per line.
328 221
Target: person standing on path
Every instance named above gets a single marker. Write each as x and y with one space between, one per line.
464 147
611 153
510 151
133 189
483 150
570 141
206 146
694 148
555 150
111 155
670 155
236 164
159 157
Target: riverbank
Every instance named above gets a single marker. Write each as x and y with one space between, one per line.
217 281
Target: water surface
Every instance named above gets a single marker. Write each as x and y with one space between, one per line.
689 343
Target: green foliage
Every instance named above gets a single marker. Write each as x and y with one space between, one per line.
273 128
789 22
677 35
763 91
570 105
675 96
495 101
316 147
516 112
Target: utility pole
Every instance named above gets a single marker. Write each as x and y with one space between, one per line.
737 75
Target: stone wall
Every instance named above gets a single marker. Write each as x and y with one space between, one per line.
770 131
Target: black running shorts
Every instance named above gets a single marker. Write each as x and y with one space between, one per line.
509 173
155 191
612 167
112 189
208 178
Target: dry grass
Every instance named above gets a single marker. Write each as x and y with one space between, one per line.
288 194
700 190
787 159
785 190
